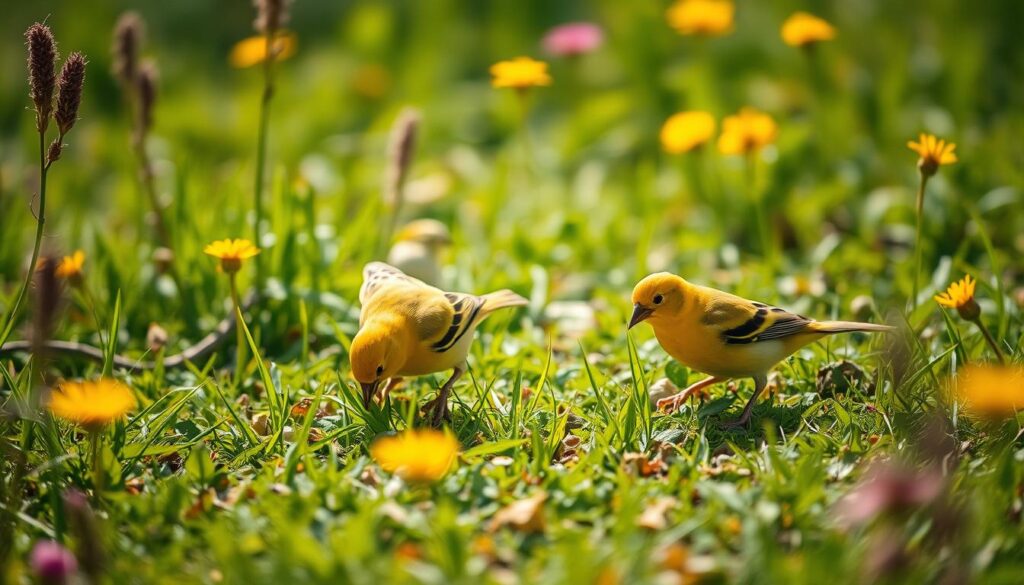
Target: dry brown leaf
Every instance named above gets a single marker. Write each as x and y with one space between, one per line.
653 516
526 515
640 464
261 424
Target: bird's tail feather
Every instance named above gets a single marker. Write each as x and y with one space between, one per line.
500 300
845 326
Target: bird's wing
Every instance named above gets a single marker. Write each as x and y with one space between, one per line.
377 275
463 312
741 321
459 314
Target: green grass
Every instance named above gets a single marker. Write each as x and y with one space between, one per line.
193 493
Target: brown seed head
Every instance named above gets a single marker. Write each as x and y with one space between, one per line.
69 91
271 15
56 147
42 64
401 147
146 86
156 337
128 34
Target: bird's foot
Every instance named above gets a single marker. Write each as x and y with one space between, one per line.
672 403
741 422
701 394
392 384
437 411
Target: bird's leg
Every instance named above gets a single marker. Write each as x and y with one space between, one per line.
671 404
760 381
392 384
439 406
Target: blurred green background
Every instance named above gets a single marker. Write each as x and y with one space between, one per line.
575 206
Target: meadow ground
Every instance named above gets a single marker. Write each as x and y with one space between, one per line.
887 458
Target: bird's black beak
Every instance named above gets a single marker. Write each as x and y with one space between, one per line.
369 391
640 313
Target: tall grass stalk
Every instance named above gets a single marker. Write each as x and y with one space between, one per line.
261 144
12 315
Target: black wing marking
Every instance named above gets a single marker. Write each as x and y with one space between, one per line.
466 310
765 324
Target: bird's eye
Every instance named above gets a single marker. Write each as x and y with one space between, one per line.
657 299
380 370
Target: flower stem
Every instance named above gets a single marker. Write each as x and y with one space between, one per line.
44 168
917 240
524 129
240 337
97 465
261 146
991 342
148 182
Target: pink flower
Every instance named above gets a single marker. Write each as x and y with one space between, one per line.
889 488
52 563
576 38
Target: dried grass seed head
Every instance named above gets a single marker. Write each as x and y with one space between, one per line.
42 77
401 148
69 91
128 36
146 82
271 15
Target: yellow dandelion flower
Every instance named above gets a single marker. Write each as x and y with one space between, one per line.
70 267
686 131
803 29
92 404
960 296
231 253
416 455
989 391
746 132
520 73
933 153
253 50
701 17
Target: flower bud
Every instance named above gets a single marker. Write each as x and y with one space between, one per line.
970 310
51 563
927 166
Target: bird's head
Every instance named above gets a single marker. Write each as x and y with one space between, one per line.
376 355
429 232
657 296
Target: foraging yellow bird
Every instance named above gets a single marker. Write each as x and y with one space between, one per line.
417 249
409 328
723 335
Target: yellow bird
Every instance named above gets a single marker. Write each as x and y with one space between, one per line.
409 328
723 335
418 247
